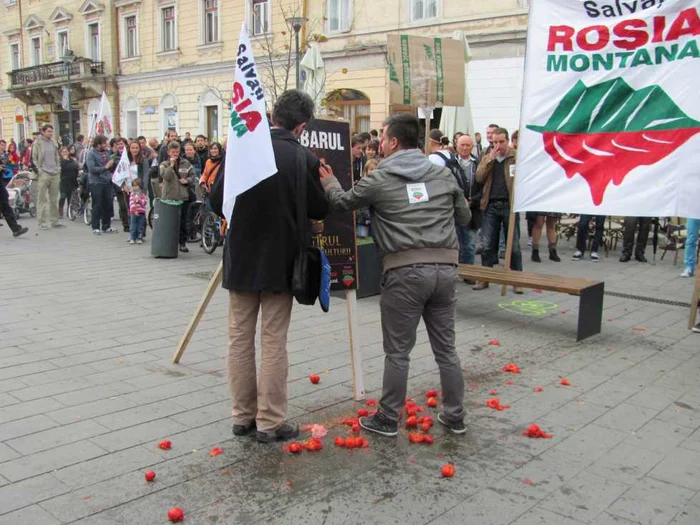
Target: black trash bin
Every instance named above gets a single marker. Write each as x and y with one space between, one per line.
166 229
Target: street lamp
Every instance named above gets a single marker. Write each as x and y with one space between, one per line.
68 59
297 22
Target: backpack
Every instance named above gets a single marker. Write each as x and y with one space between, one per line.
452 164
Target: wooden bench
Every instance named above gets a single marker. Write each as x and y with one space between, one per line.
590 311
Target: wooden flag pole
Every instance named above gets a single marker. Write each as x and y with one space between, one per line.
694 299
199 313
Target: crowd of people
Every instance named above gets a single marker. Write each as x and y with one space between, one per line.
427 211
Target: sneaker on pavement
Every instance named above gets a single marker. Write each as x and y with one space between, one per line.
696 328
110 230
139 241
58 225
480 286
518 291
578 256
595 257
43 227
20 231
687 273
456 427
96 232
243 430
285 432
184 249
131 241
380 424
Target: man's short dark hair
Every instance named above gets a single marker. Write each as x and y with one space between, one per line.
501 131
364 136
493 126
46 126
405 128
122 140
140 138
174 144
99 139
80 138
293 107
356 140
200 137
374 133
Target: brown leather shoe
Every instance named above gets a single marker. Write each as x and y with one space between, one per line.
480 286
518 291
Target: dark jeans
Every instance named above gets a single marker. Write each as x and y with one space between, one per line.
496 216
137 227
102 205
123 200
467 244
183 223
582 234
642 238
5 208
410 293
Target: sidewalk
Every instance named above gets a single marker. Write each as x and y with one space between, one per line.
88 326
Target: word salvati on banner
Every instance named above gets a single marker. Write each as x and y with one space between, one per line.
611 114
249 155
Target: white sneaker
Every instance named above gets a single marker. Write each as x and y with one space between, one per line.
687 273
139 241
577 256
696 328
529 241
132 241
595 257
96 232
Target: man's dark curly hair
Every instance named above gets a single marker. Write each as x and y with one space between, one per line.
293 107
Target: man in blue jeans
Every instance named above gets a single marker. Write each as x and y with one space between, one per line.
582 236
496 172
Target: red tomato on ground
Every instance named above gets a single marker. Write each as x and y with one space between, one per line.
432 402
176 514
150 476
315 378
448 470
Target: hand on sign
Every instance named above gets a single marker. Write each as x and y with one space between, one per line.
326 171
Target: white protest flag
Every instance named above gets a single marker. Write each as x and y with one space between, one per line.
249 155
123 172
610 119
103 124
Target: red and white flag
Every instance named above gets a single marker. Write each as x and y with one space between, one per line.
611 115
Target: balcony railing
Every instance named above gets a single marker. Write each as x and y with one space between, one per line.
56 72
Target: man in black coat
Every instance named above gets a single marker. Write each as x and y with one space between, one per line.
258 265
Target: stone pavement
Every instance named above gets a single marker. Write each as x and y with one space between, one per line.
88 326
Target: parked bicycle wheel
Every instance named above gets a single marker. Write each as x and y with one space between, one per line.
196 214
87 211
211 225
74 205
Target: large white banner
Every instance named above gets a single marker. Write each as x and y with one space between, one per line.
249 155
611 108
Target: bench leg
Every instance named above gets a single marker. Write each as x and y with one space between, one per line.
590 311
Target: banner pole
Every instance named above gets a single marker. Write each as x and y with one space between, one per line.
358 382
511 235
199 313
694 299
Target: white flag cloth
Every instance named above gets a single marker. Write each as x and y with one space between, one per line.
103 124
611 114
123 172
249 155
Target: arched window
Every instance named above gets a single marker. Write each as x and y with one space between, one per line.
210 110
352 105
131 117
168 113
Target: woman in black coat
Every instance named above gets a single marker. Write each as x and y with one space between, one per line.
69 179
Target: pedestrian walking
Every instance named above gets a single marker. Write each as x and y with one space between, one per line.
414 204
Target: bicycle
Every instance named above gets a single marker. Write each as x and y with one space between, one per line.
213 232
194 229
75 203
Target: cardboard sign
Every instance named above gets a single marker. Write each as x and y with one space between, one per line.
329 140
426 72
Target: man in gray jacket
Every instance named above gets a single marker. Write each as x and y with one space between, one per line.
45 158
414 205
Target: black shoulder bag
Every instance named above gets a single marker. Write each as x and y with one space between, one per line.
306 279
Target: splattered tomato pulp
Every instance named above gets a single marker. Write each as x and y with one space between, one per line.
605 131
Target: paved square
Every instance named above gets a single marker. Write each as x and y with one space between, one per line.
88 326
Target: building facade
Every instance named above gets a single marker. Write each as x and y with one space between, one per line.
37 37
168 64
